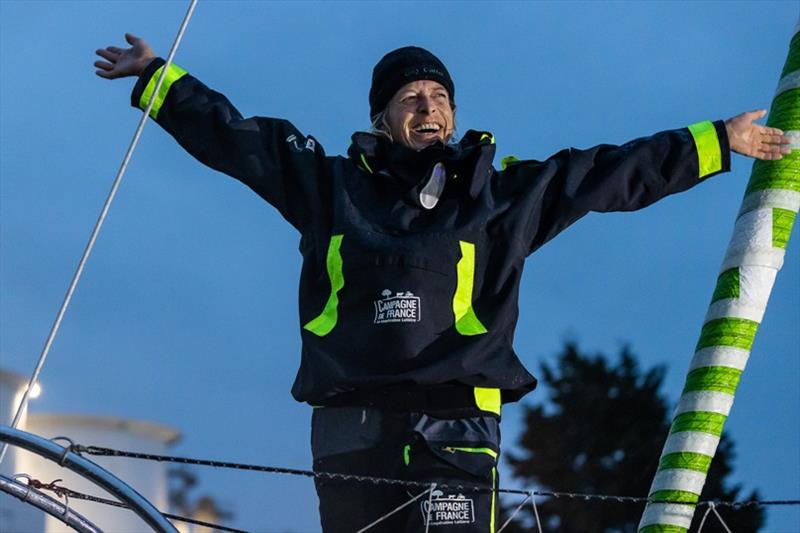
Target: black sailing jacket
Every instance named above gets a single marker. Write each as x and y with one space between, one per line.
392 293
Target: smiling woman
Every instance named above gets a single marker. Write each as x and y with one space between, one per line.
413 252
421 114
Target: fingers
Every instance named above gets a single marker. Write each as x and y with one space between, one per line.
132 39
103 65
105 74
108 54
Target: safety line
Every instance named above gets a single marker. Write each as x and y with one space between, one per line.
60 490
402 506
335 476
96 231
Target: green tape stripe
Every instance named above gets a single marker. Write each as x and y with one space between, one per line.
709 155
687 460
701 421
326 321
174 73
674 496
785 110
781 174
467 322
793 60
734 332
782 221
727 285
662 528
713 378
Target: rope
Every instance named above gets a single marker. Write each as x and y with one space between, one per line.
713 508
335 476
96 231
512 515
396 509
65 492
536 513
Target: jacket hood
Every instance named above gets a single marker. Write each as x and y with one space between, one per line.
467 164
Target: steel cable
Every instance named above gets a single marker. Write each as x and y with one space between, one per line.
96 231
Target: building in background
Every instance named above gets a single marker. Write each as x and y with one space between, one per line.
146 477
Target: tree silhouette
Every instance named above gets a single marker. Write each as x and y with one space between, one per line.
601 431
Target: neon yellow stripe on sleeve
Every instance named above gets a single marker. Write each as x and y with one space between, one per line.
174 73
709 155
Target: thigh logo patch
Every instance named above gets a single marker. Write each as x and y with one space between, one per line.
447 510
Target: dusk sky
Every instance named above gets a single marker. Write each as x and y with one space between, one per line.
187 311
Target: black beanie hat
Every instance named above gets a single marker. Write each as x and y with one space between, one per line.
402 66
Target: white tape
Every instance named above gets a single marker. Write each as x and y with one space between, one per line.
706 401
678 479
691 441
788 82
668 514
764 257
720 356
734 308
755 285
753 228
780 198
794 136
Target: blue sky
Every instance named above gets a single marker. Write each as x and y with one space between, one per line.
187 311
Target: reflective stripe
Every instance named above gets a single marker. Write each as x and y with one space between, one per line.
488 399
488 136
709 156
507 160
174 73
366 165
487 451
494 498
466 321
407 454
326 321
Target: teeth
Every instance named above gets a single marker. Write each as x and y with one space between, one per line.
427 127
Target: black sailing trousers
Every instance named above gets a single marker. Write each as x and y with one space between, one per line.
409 446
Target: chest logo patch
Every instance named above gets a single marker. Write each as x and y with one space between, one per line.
397 307
447 510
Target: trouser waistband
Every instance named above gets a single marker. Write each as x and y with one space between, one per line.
461 400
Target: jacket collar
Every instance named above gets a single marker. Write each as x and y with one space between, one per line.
468 164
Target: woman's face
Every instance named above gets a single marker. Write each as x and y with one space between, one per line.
420 114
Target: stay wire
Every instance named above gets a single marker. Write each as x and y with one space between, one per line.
335 476
98 225
60 490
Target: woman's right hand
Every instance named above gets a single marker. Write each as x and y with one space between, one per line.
123 62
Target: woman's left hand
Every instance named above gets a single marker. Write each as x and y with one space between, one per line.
754 140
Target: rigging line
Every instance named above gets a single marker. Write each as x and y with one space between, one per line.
517 510
62 490
396 509
110 452
96 231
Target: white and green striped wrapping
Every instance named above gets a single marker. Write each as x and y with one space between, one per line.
754 256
